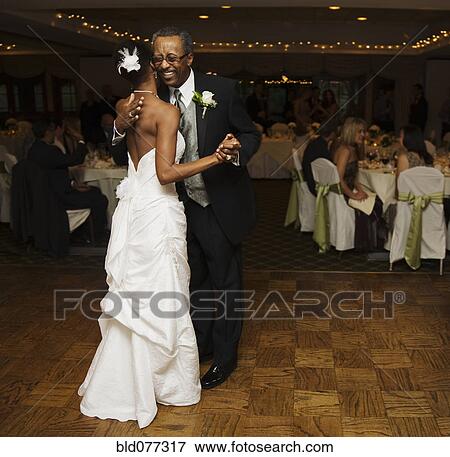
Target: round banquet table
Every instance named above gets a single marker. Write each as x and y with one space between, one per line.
383 182
106 179
273 160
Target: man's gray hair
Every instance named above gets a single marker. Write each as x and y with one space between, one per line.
174 31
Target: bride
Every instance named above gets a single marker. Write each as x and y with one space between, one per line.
148 352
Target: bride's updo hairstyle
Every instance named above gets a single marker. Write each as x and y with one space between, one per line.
132 60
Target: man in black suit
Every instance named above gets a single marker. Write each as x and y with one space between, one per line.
51 159
219 203
316 149
418 111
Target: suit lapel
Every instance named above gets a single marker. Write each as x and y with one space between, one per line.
164 93
201 122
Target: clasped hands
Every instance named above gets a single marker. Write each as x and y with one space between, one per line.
228 149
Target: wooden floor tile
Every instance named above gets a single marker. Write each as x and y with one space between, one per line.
280 378
277 338
311 403
390 358
414 426
362 403
313 339
315 378
428 379
351 379
221 401
430 358
266 426
396 379
275 357
406 404
366 426
355 358
314 358
218 425
317 426
271 401
439 402
444 425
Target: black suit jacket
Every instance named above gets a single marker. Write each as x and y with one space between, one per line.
229 187
50 158
317 149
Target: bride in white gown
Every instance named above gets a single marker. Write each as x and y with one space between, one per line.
148 352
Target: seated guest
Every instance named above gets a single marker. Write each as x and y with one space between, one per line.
316 149
103 136
67 134
369 229
50 158
415 152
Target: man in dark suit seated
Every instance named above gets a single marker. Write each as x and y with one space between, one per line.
317 149
73 196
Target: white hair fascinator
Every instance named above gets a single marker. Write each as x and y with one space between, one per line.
129 61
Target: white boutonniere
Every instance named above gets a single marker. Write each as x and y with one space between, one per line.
205 100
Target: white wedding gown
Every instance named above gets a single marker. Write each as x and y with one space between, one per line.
150 358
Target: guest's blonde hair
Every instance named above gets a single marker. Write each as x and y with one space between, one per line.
350 129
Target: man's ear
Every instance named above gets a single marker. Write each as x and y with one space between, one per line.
190 59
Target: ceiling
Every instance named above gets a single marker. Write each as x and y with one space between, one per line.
35 28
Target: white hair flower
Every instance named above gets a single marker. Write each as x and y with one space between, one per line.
129 61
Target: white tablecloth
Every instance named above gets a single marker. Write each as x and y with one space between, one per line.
106 179
273 160
383 182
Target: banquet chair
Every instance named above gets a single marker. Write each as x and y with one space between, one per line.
419 226
334 219
306 200
7 161
37 216
279 130
448 236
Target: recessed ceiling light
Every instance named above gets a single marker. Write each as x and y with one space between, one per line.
203 16
361 18
225 7
334 7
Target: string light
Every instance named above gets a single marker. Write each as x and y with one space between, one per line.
434 40
6 47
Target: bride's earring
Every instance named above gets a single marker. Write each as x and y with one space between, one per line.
155 74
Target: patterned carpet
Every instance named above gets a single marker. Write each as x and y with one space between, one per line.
270 247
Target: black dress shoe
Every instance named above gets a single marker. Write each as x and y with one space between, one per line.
205 357
217 374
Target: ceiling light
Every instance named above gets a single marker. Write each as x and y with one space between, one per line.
334 7
203 16
225 7
361 18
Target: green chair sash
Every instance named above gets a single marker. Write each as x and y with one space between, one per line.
414 240
292 209
322 218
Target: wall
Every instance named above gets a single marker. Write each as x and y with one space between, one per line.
437 89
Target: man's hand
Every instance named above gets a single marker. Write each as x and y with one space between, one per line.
229 148
81 187
128 111
75 134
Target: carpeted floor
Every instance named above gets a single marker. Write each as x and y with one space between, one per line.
270 246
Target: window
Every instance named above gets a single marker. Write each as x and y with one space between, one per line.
4 105
68 97
17 98
39 98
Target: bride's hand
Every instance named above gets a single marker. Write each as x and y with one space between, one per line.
229 148
128 111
